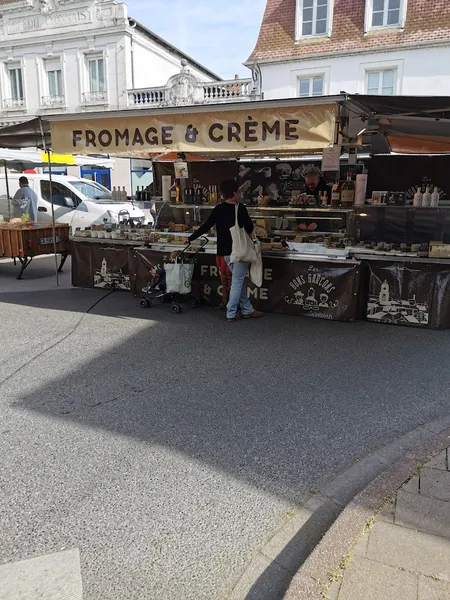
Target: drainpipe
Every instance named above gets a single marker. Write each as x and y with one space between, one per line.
133 26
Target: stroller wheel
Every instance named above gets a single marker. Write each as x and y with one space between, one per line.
146 303
193 302
175 308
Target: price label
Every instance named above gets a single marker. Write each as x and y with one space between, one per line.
49 240
331 159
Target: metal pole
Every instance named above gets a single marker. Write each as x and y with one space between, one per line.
47 150
7 190
53 214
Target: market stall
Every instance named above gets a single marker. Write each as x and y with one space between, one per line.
322 283
24 242
18 240
326 255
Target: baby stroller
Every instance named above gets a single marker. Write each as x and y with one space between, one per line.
173 282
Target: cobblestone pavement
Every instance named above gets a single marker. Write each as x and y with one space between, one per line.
406 553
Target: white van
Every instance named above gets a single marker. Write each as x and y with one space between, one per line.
78 202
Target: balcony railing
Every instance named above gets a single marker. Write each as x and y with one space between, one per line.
234 90
53 101
228 91
14 103
151 96
95 97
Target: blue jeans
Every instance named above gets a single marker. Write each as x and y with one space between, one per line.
238 292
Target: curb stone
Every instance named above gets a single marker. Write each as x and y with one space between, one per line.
299 561
337 544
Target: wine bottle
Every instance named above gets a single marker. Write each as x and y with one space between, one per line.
426 198
173 193
336 195
418 197
435 197
348 192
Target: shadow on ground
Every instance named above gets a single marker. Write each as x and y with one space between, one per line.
279 403
260 400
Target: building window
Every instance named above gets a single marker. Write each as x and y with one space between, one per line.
96 69
313 17
381 14
310 86
16 83
54 92
381 82
55 82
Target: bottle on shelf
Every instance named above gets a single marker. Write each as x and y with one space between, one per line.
435 197
336 194
178 194
418 196
114 194
173 193
324 199
348 192
124 195
138 194
426 198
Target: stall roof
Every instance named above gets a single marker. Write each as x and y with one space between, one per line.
30 134
27 158
403 124
410 106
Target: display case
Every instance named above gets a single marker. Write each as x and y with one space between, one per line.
401 230
280 228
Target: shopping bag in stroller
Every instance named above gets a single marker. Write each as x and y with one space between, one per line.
179 278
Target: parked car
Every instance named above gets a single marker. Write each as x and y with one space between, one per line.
79 202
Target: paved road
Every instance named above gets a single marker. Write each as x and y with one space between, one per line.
165 449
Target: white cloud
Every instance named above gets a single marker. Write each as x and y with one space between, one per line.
220 34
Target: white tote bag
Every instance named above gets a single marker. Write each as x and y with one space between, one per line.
179 278
243 249
256 268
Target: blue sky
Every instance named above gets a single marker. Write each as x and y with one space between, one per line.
220 34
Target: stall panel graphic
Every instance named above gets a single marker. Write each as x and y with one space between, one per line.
401 294
100 266
310 289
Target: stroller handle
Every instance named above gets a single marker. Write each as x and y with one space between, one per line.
204 241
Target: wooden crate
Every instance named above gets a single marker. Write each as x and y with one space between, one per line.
33 240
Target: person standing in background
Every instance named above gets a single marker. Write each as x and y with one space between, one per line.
25 200
223 217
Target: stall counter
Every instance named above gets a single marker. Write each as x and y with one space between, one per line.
313 286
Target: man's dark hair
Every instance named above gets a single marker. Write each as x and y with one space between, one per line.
23 180
228 188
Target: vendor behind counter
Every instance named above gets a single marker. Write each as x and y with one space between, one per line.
316 186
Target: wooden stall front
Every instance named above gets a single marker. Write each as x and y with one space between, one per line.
24 242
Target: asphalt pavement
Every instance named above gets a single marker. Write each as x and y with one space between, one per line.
164 450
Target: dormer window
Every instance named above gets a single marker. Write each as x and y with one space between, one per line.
313 18
385 14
